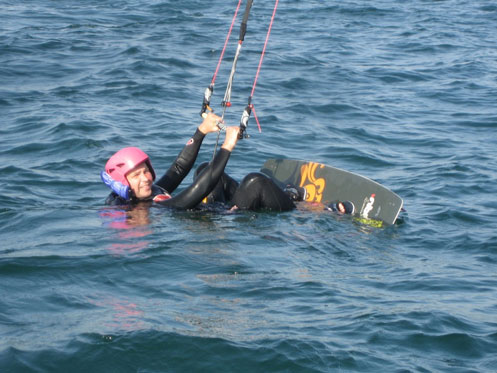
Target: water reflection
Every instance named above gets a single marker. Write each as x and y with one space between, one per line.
122 314
128 224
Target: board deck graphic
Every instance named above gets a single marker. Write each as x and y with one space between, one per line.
372 201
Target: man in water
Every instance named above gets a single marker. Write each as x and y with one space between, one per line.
130 175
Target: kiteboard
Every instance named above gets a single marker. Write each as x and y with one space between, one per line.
373 203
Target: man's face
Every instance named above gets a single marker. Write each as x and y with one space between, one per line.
140 181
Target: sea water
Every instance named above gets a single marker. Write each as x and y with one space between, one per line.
403 92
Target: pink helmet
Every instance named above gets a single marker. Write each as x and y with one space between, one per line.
124 161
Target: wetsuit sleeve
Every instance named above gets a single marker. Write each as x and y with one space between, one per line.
203 184
223 191
182 165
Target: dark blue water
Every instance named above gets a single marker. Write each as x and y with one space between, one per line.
403 92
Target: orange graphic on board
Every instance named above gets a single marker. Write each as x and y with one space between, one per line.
314 186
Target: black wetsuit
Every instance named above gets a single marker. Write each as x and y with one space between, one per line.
195 193
255 192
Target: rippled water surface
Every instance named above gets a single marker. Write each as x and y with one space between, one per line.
403 92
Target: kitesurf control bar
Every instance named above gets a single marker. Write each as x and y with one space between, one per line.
227 96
